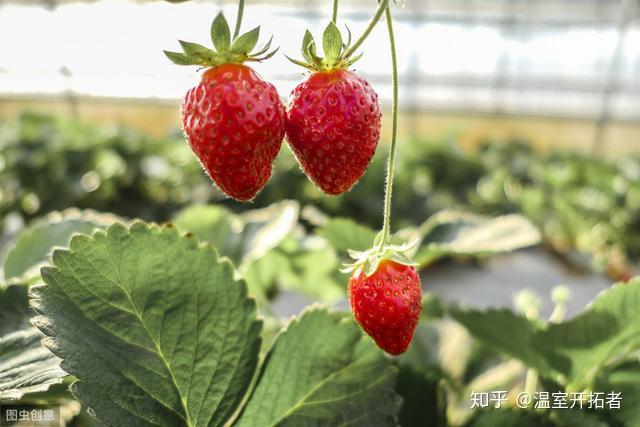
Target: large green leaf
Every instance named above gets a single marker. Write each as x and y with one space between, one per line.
423 401
608 329
25 365
508 333
571 352
155 327
33 245
344 234
323 371
624 379
460 233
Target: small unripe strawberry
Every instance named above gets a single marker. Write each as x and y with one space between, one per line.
387 304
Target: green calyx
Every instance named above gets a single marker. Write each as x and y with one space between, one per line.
338 55
370 259
236 51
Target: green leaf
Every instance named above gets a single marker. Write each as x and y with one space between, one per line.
459 233
624 379
155 326
323 371
196 50
265 228
307 43
220 33
264 48
25 365
214 225
508 333
180 58
344 234
423 402
34 244
572 352
608 329
332 42
246 42
242 238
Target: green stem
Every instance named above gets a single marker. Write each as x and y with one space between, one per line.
382 5
386 228
236 30
334 16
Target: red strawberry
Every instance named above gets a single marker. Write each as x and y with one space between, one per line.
387 304
333 120
333 126
233 120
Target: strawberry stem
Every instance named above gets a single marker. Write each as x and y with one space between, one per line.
386 228
334 16
236 30
382 5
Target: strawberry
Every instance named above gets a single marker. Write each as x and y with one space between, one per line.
387 304
233 120
333 118
333 126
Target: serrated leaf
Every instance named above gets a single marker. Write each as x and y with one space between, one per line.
460 233
323 371
25 365
246 42
220 33
34 244
332 42
344 234
155 327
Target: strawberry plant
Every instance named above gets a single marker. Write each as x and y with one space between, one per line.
123 322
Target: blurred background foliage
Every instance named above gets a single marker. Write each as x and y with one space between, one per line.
582 204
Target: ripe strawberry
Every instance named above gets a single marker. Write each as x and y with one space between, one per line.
333 118
333 126
387 304
233 120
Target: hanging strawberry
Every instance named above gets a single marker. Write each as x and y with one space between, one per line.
333 118
233 119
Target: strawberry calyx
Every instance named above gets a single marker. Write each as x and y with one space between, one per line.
369 260
226 50
338 55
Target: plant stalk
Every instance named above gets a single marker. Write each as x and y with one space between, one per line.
382 5
236 30
386 227
334 16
